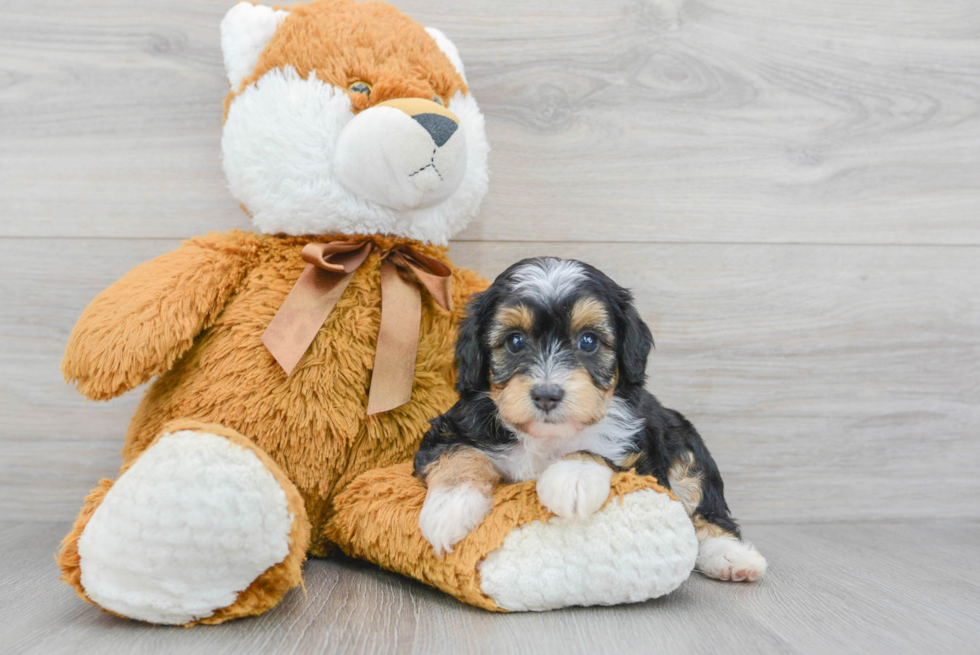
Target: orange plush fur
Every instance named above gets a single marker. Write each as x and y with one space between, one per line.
194 317
265 591
378 519
343 42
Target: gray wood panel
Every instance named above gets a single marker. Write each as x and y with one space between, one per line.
623 120
834 588
830 382
790 188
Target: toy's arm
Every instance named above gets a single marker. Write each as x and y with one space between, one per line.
140 325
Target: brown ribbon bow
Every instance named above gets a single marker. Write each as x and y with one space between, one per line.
330 268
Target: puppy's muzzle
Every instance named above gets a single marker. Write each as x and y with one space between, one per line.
546 397
407 153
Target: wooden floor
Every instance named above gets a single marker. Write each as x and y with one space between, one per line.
791 189
834 588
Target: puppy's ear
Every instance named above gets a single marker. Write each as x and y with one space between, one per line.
472 359
635 341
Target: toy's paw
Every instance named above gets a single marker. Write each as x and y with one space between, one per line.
638 547
726 558
574 488
184 530
450 513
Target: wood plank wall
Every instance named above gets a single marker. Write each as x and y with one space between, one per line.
792 189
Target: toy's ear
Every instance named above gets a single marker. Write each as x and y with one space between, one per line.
448 48
245 31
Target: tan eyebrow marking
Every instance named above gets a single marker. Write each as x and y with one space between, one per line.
510 318
590 313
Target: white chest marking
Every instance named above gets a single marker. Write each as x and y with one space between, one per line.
612 438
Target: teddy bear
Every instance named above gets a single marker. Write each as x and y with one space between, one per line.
293 370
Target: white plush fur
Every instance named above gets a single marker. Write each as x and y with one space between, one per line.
292 162
727 558
279 149
611 437
278 145
450 513
245 31
574 488
386 156
631 550
190 525
448 48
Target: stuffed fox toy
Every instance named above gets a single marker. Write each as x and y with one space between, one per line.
295 369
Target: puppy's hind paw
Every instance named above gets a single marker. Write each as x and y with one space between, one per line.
727 558
450 513
574 488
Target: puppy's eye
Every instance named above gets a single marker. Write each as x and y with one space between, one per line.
588 342
515 342
360 87
438 101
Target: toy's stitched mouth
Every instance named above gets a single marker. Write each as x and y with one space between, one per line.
431 164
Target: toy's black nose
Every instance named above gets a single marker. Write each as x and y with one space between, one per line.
547 396
440 128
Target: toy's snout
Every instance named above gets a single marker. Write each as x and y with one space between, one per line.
438 121
406 153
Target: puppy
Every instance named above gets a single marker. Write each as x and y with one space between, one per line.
552 362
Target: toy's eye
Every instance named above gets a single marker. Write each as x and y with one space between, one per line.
515 342
360 87
438 101
588 342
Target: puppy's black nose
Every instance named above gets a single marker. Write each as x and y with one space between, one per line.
439 127
547 396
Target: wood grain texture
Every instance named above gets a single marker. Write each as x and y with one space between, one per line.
747 167
835 588
626 120
829 382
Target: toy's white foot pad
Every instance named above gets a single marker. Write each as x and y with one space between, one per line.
627 552
190 525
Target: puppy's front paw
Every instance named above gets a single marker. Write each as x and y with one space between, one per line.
574 488
449 513
724 558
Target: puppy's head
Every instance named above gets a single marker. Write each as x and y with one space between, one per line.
551 341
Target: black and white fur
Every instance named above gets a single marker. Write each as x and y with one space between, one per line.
552 364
